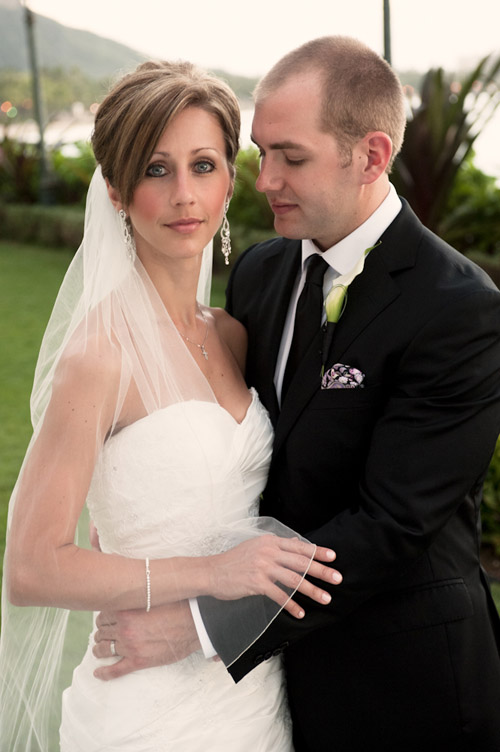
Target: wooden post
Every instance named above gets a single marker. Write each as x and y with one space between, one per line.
29 20
387 32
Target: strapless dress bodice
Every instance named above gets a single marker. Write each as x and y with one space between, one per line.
179 477
178 482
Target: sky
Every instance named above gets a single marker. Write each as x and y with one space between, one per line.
247 38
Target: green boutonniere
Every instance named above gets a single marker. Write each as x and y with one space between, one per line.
336 300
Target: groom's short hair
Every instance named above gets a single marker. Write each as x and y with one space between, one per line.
361 92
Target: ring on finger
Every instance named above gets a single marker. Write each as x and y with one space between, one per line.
112 646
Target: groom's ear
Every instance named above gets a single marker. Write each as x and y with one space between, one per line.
114 196
375 150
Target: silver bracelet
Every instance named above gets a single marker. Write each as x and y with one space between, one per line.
148 586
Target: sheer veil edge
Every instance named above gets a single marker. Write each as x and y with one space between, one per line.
107 306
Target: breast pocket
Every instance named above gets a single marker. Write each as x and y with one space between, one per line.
358 398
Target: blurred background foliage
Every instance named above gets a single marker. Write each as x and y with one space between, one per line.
444 121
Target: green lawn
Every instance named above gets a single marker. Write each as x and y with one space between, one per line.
29 280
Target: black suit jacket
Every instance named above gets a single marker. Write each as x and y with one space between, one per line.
406 656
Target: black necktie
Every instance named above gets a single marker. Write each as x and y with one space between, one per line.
307 317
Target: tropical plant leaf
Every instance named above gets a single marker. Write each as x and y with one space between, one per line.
440 135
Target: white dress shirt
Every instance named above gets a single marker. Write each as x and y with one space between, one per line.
341 258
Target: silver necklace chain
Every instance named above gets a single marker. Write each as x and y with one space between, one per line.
202 345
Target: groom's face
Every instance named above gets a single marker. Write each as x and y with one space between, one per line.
310 188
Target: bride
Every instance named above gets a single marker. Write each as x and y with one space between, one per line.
141 415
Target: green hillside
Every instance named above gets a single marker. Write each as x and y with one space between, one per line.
59 46
62 48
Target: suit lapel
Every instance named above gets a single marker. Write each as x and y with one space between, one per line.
302 388
280 272
369 294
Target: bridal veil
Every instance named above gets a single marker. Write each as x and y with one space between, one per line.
107 307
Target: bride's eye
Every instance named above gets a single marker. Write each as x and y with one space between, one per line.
156 171
204 166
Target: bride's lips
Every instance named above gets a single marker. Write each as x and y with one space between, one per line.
280 208
185 225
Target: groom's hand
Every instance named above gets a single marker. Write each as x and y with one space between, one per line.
164 635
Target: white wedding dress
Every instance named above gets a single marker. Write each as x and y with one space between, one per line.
168 485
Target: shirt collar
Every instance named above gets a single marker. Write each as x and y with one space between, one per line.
343 255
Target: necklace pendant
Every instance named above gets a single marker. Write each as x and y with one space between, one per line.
204 352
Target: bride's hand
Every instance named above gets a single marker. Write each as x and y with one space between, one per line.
260 565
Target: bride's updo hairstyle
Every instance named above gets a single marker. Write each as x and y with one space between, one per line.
136 111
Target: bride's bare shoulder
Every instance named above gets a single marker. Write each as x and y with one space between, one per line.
88 365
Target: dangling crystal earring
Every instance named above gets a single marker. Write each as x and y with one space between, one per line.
128 238
225 236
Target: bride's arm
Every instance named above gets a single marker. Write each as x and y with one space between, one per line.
45 567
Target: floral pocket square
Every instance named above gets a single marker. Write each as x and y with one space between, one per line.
340 376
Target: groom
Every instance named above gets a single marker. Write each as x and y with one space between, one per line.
382 439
